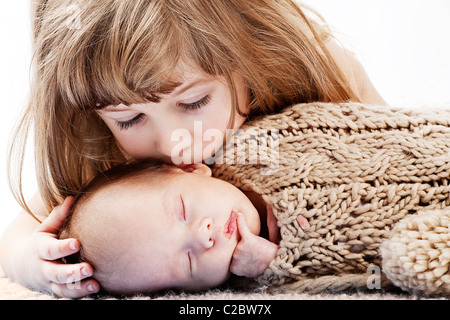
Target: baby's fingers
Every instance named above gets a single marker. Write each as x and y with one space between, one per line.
303 222
75 290
244 231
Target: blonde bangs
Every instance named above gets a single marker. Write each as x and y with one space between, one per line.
122 52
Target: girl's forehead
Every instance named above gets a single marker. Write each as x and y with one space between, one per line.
187 71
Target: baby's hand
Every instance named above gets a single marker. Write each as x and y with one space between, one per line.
274 232
303 222
253 254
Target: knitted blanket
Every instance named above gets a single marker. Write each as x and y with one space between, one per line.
357 173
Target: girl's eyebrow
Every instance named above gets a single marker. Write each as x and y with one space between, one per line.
190 85
180 90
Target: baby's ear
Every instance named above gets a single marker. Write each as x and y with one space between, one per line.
197 168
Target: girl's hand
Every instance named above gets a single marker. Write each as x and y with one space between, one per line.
38 262
253 254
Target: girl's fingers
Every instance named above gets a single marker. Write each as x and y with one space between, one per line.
54 249
56 218
61 273
75 290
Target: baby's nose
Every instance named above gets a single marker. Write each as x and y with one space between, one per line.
204 234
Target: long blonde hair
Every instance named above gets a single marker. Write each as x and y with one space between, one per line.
96 53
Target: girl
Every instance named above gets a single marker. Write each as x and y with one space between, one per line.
114 79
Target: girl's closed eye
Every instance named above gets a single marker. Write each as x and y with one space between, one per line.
195 105
124 125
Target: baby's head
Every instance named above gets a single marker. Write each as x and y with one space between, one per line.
147 227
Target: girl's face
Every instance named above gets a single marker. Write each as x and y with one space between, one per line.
187 126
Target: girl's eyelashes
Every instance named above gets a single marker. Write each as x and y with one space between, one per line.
124 125
195 105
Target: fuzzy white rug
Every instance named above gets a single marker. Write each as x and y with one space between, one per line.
13 291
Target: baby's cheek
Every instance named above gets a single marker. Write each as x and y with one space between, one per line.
217 272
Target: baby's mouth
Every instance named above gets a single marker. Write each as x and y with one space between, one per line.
230 226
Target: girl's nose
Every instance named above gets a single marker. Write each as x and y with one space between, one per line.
203 235
164 146
165 138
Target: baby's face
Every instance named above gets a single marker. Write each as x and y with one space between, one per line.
179 232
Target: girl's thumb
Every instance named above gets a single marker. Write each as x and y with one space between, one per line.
56 218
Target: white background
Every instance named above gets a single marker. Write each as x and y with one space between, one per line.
403 44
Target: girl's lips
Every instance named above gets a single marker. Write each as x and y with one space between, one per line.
230 225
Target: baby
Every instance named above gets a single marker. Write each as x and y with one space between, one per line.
146 227
372 182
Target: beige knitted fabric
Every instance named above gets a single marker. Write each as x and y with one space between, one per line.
353 171
417 255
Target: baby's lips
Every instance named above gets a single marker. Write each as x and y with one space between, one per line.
230 225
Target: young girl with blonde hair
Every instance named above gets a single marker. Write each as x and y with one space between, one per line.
114 79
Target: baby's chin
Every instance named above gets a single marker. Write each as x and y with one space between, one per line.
200 286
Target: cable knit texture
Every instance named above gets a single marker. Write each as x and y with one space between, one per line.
373 183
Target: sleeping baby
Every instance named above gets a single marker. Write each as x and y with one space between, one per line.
350 189
145 227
